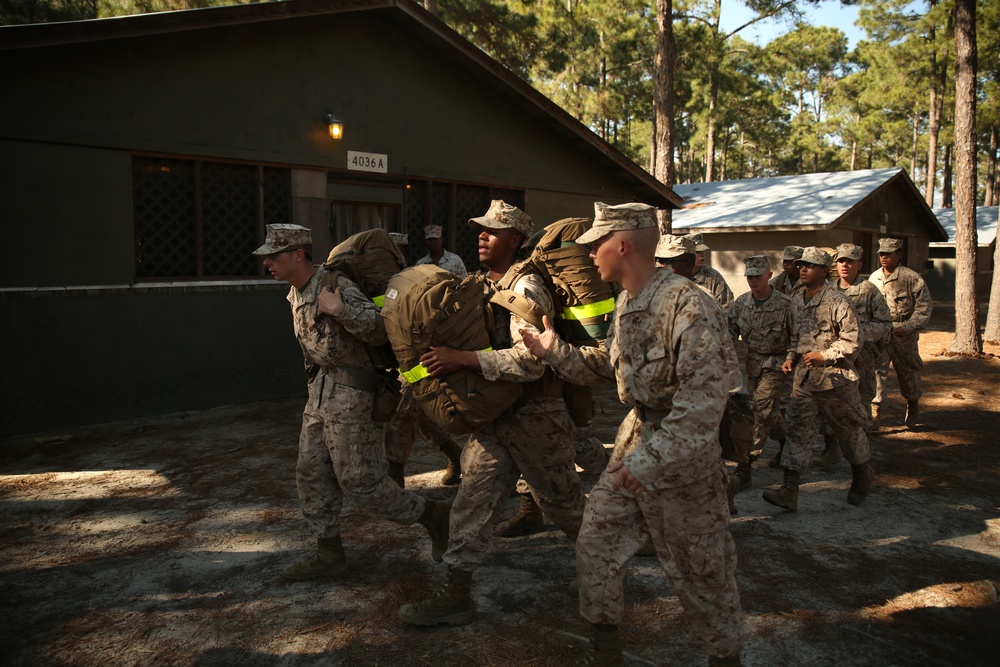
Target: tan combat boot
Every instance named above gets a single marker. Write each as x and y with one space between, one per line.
863 477
605 648
875 423
453 474
912 413
787 495
451 604
831 454
328 561
396 474
528 519
435 519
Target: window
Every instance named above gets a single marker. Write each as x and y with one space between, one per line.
196 219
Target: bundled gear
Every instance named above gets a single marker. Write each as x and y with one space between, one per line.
426 306
736 428
369 259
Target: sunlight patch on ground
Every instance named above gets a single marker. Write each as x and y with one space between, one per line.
969 594
84 485
986 542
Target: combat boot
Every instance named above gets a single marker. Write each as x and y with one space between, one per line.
605 648
328 561
732 487
451 604
787 495
912 413
776 461
453 474
528 519
396 474
831 454
435 519
863 477
875 423
731 661
744 473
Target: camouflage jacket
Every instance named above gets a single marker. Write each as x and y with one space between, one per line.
666 350
873 313
766 328
827 324
907 296
781 283
511 360
449 262
329 342
716 285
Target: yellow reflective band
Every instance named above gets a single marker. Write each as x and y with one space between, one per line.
379 300
419 372
589 310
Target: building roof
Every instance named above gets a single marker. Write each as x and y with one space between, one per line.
410 16
805 202
986 224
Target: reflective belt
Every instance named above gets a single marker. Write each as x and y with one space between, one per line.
589 310
419 372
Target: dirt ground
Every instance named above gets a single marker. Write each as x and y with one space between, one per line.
159 542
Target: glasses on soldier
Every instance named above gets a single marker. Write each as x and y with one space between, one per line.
274 255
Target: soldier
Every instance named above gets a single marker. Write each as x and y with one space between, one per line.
824 344
875 323
763 318
708 277
666 350
910 306
788 279
341 449
436 254
534 437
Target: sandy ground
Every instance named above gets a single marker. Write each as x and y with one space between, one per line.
160 541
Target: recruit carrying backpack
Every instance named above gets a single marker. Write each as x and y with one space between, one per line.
426 305
585 304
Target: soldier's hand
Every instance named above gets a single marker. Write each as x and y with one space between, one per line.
443 360
539 344
331 303
899 332
626 479
813 360
788 367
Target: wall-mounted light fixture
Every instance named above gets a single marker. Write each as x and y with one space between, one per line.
336 127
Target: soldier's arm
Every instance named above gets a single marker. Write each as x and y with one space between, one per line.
922 307
360 316
846 345
877 330
518 364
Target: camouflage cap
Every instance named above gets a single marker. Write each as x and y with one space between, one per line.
850 251
671 246
791 253
890 245
757 265
620 217
814 255
699 243
502 215
432 232
399 239
283 237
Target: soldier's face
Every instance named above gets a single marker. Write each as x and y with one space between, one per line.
699 258
497 246
812 275
758 284
607 257
788 266
280 264
890 260
848 269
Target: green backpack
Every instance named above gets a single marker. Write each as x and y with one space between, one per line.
426 305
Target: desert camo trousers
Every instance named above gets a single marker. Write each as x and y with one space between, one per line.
840 408
867 366
591 455
534 442
341 451
904 353
766 390
689 526
407 422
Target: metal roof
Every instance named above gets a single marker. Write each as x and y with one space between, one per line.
986 224
410 16
783 203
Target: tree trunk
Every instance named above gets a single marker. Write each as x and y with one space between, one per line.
934 122
991 169
967 337
916 137
946 201
993 313
710 140
663 103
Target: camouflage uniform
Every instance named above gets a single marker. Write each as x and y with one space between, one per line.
667 351
766 328
716 285
533 438
783 284
876 326
449 262
909 303
826 324
340 448
407 422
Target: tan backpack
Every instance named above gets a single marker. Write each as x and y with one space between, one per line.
426 306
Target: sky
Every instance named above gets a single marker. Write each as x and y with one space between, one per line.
829 13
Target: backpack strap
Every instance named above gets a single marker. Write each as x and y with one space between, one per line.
520 305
